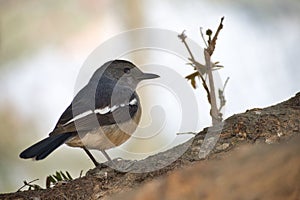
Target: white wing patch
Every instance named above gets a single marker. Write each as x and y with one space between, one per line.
79 116
133 102
102 111
115 107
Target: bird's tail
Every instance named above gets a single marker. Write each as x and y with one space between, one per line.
43 148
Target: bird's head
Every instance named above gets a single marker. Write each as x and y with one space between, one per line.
123 73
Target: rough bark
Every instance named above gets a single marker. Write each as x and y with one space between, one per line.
260 172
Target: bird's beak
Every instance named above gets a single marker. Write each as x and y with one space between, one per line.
145 76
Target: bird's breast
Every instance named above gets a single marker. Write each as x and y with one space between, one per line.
108 136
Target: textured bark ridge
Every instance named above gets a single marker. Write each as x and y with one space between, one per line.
256 157
263 172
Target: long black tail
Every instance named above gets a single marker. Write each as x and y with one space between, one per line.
43 148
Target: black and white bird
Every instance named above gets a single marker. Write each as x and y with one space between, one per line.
102 115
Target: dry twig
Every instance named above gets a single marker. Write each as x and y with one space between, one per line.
207 69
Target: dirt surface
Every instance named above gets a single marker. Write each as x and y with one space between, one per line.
266 127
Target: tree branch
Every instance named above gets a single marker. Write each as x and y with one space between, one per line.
269 125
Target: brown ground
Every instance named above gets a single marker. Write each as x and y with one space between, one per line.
263 169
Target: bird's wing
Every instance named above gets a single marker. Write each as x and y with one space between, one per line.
92 120
80 104
82 116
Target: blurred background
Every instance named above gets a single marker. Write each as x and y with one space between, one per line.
43 45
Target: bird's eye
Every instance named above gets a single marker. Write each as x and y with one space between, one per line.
126 70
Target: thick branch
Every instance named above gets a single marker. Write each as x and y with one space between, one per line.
274 124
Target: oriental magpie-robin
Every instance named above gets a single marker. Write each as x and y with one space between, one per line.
102 115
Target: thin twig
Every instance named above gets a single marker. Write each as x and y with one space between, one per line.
27 184
196 65
206 89
225 84
212 43
213 102
187 133
182 36
206 69
222 96
202 35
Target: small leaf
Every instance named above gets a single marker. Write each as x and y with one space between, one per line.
57 176
69 176
220 66
48 182
192 78
50 179
193 82
63 175
37 187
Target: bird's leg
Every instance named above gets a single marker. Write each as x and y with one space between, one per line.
106 155
118 163
91 156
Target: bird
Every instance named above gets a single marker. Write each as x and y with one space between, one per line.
102 115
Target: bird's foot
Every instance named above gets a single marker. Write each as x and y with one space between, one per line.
105 169
101 165
121 165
